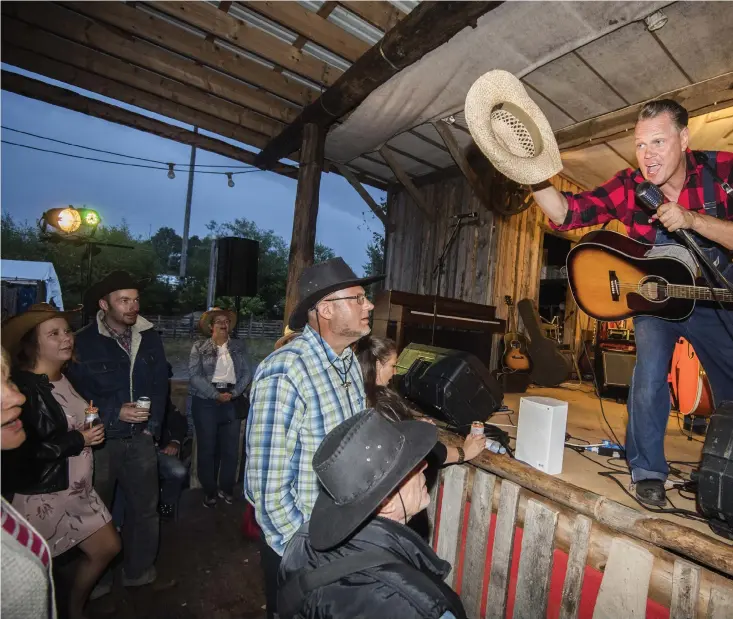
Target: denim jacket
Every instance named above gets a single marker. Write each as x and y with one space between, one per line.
202 364
105 373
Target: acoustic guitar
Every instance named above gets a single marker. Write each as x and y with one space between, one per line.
549 366
515 357
613 277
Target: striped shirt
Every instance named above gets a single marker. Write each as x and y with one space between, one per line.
14 524
298 397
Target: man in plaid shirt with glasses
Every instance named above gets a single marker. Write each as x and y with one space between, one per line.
299 394
694 201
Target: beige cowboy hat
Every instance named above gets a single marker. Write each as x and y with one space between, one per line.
208 317
511 130
287 337
15 327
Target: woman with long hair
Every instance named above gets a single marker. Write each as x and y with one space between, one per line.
378 357
60 500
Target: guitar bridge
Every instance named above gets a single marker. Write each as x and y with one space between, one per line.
615 285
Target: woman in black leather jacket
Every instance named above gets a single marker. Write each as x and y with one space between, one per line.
59 501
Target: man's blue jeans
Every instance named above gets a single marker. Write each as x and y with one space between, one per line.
710 331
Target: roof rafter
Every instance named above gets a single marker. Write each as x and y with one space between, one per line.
383 15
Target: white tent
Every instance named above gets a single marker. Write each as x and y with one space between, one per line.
24 271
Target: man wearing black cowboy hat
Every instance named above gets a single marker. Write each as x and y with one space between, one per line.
300 393
356 557
120 359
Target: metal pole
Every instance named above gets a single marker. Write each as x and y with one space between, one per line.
211 291
187 218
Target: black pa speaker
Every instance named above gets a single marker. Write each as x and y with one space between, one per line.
715 478
236 267
455 387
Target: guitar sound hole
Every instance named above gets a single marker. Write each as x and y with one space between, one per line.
653 288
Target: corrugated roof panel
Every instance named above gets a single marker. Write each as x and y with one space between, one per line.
355 25
324 55
241 52
253 19
312 5
171 20
405 5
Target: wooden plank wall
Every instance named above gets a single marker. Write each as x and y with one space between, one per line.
499 256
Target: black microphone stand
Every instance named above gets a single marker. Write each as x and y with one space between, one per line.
439 270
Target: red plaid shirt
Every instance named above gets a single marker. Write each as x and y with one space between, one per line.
615 199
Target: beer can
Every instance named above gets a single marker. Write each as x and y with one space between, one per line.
477 428
91 417
143 403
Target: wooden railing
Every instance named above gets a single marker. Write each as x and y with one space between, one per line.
186 326
524 544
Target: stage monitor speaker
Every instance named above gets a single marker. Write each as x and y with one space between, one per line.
618 367
453 386
236 267
715 479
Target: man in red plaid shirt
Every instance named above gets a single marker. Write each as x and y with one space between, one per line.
693 201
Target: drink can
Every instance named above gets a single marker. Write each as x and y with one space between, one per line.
477 428
91 416
143 403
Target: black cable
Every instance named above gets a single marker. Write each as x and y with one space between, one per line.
689 436
109 152
122 163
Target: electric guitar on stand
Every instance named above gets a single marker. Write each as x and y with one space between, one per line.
515 357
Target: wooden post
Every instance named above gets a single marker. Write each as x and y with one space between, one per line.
302 245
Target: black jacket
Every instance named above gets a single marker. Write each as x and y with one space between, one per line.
50 443
410 588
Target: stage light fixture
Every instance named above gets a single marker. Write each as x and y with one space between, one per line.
69 220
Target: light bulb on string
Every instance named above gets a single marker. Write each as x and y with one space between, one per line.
171 173
230 182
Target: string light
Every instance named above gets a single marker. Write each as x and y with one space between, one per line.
230 182
171 173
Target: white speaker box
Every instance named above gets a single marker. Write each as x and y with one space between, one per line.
541 433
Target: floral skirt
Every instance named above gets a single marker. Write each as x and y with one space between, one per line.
67 517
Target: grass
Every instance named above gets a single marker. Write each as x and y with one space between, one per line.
178 350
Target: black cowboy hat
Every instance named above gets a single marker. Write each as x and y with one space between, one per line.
322 279
116 280
359 464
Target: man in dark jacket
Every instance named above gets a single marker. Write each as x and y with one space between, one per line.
119 360
356 557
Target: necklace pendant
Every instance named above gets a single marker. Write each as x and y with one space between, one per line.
347 384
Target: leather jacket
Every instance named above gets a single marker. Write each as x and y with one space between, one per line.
50 443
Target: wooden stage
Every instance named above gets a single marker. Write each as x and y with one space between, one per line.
586 422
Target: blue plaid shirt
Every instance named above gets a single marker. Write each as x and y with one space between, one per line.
297 398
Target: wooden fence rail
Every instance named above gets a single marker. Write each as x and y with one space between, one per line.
477 518
187 326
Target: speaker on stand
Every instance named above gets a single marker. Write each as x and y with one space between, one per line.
236 267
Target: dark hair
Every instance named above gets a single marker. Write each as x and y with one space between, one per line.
392 405
369 350
652 109
27 352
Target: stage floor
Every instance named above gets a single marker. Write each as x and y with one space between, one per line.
586 422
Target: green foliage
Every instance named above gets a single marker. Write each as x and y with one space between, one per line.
160 255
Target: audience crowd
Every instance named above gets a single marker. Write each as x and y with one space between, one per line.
333 458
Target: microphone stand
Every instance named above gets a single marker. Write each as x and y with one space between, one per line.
439 270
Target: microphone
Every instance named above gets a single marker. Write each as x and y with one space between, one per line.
649 195
473 215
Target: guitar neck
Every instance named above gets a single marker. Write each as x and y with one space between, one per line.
699 293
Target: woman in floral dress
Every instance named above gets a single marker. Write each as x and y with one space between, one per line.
59 499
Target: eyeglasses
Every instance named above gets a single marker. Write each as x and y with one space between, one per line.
360 299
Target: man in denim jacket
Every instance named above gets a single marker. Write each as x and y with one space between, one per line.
119 359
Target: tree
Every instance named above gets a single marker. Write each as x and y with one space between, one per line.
375 256
167 246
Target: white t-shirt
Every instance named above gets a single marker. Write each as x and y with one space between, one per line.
224 370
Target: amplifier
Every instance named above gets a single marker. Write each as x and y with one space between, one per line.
618 368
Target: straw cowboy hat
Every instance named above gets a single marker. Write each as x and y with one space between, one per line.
287 337
511 130
207 318
359 464
320 280
15 327
116 280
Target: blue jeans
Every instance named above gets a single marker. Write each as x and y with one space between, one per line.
172 473
217 443
710 331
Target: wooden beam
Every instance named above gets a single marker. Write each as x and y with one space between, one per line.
474 180
235 31
161 32
383 15
132 96
430 25
354 182
312 27
80 29
35 89
406 182
700 98
414 158
303 242
23 39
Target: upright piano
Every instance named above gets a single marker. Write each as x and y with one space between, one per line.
408 318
